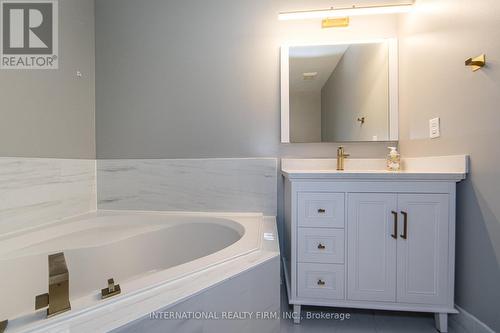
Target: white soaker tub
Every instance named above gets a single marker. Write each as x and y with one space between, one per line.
140 250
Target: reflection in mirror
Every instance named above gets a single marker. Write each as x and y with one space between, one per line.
339 93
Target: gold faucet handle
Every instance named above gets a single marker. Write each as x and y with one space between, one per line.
112 289
41 301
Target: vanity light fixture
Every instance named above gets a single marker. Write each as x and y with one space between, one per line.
343 12
309 76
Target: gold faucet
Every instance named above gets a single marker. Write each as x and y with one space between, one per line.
58 297
341 156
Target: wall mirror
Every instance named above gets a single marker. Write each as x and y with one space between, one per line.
339 92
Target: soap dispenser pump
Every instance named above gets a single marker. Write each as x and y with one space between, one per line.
393 160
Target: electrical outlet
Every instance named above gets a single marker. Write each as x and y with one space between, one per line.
435 128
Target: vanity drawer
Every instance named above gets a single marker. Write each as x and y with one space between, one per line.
321 245
321 210
324 281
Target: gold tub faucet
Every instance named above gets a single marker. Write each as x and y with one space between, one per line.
57 298
341 156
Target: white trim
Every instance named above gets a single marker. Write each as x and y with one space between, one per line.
337 42
285 95
468 322
393 90
393 83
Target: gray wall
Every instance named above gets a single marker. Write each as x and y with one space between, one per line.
180 79
183 79
50 113
358 87
435 41
305 116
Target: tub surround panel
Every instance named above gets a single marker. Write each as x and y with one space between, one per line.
209 185
36 191
257 289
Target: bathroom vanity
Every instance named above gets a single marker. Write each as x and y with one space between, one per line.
372 239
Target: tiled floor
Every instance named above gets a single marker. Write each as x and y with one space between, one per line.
362 321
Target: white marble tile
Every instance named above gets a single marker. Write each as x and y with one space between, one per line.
36 191
209 185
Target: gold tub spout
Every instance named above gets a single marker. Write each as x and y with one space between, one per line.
58 297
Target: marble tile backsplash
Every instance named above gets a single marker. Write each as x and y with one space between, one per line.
36 191
210 185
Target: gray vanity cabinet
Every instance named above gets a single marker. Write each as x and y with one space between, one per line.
370 244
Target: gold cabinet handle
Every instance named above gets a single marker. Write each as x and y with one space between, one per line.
405 225
321 246
395 234
321 211
321 282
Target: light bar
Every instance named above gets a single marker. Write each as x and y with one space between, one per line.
346 12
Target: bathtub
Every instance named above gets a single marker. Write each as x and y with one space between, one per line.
143 251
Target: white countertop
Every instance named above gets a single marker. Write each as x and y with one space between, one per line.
443 168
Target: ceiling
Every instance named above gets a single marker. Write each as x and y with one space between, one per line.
309 59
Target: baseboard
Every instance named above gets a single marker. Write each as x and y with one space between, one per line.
468 322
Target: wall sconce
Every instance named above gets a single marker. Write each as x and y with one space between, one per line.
476 63
362 120
347 11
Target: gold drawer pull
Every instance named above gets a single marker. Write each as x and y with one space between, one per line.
321 211
321 282
321 246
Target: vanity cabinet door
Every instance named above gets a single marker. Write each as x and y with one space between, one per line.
371 259
422 250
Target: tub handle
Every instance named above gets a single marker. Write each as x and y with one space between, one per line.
112 289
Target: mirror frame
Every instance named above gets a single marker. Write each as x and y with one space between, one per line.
393 85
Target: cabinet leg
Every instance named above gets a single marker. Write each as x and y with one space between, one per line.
296 314
441 322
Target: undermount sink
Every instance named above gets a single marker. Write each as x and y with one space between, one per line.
439 167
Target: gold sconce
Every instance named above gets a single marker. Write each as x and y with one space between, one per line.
335 22
362 120
476 63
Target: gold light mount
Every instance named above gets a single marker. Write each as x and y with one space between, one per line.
341 22
476 63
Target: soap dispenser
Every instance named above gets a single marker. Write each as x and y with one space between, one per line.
393 160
